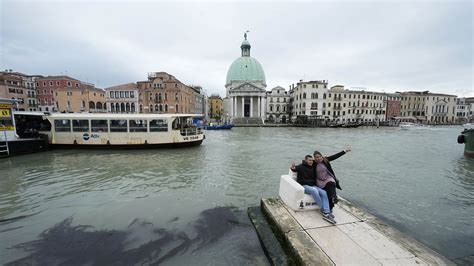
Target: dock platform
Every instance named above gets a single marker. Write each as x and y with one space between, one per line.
358 238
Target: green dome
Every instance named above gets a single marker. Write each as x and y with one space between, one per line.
245 42
245 68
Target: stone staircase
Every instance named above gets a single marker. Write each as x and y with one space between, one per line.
251 121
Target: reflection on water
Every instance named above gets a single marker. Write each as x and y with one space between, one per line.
418 182
463 177
141 243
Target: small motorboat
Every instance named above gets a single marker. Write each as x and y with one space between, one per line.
219 127
410 126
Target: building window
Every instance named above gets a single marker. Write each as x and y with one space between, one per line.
69 84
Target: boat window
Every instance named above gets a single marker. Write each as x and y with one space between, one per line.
158 125
118 125
138 125
62 125
99 126
80 125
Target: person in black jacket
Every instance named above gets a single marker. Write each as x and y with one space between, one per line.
325 177
305 177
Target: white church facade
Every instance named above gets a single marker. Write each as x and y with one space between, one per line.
245 101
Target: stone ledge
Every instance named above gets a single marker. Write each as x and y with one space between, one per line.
298 244
359 238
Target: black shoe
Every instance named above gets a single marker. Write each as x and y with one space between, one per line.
329 219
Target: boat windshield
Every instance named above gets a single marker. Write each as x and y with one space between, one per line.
185 126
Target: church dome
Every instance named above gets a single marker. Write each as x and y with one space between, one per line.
245 68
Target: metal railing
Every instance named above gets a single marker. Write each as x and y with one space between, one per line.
4 148
191 131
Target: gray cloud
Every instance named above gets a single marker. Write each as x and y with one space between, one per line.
387 45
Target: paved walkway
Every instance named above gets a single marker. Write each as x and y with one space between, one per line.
357 239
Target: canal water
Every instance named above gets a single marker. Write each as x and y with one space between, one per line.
188 206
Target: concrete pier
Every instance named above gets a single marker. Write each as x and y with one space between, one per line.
358 238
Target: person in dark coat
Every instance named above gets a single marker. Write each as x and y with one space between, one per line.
305 177
325 177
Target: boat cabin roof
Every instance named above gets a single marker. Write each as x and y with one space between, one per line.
29 113
115 116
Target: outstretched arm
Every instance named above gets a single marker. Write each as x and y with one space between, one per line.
339 154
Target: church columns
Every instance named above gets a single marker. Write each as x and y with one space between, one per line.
258 106
235 106
243 104
251 106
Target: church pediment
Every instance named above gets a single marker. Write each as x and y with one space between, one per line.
247 87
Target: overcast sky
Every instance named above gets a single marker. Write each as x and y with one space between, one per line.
380 45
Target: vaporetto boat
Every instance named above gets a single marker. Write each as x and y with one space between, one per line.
124 130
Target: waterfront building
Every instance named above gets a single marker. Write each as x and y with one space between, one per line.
355 106
426 107
216 107
30 85
85 98
470 101
66 94
122 98
309 99
463 110
278 101
393 105
337 105
200 100
245 89
14 85
163 93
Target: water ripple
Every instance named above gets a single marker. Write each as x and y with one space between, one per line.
416 181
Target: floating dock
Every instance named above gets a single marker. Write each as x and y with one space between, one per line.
358 238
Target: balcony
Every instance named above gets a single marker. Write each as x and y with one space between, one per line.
338 98
337 107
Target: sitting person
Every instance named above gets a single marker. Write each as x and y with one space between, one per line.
325 177
306 177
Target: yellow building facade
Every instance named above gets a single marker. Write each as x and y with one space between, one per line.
216 106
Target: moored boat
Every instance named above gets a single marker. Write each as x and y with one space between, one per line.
124 130
351 125
467 137
409 126
468 125
11 141
219 127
